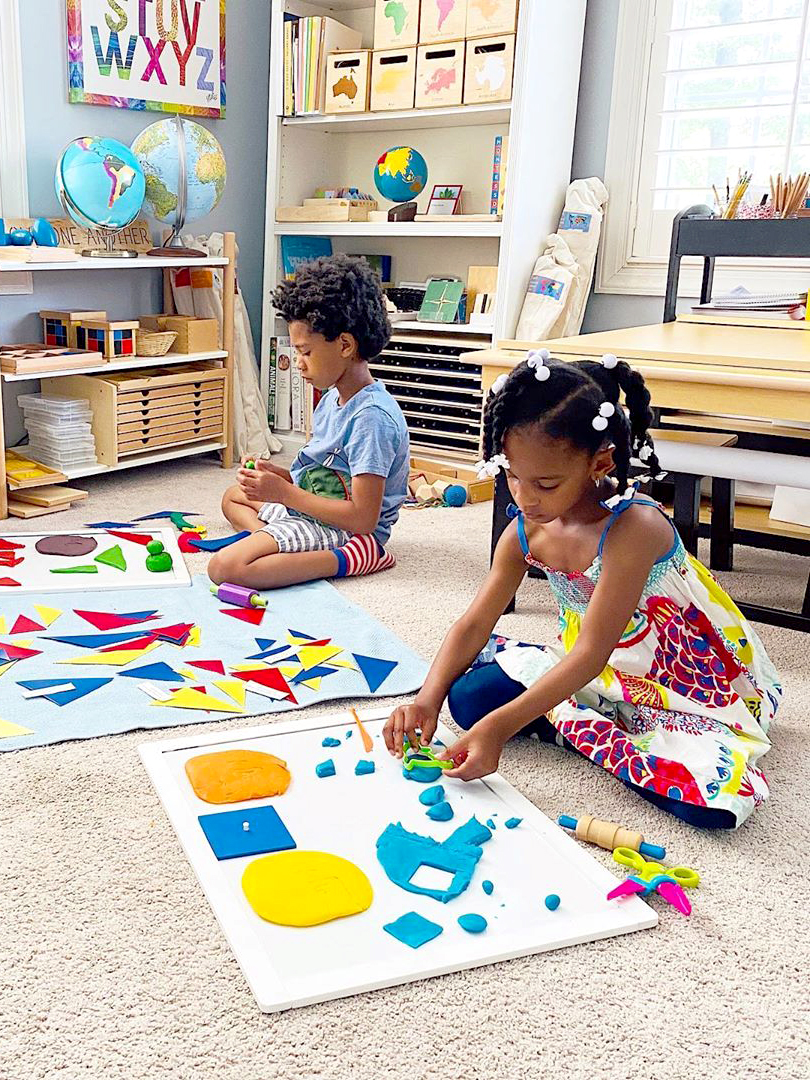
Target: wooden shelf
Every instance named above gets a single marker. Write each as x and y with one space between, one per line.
400 229
121 365
441 328
405 119
143 262
170 454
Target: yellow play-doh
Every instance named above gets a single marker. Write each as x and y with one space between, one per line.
236 775
305 888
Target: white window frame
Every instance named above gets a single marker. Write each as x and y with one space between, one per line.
618 270
13 167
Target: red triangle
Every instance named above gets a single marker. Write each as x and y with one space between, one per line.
103 620
200 688
133 643
15 652
24 625
135 538
270 677
177 634
251 615
8 581
209 665
9 545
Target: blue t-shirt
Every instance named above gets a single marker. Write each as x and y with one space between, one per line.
366 435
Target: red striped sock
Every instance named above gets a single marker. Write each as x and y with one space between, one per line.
362 555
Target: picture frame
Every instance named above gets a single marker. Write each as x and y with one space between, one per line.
445 199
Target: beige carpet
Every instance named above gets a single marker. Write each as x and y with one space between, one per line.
112 965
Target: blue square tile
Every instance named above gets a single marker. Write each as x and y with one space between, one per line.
229 839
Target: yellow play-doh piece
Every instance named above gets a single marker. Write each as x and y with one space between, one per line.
305 888
236 775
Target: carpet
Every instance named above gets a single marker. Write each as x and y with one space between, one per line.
112 965
353 656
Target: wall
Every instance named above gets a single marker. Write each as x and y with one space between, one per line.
605 311
51 123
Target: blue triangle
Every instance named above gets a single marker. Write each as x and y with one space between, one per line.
109 525
160 671
98 641
289 649
314 673
265 643
81 687
297 633
374 671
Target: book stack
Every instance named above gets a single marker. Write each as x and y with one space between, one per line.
287 391
307 43
498 190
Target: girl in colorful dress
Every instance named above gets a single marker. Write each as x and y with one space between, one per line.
656 676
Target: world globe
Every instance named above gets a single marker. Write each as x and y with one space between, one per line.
100 183
185 171
401 174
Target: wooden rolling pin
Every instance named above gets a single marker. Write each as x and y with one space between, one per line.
609 835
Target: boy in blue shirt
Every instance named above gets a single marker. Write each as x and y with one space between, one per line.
331 514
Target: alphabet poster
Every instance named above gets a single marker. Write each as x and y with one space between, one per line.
158 55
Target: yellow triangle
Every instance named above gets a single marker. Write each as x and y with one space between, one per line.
47 614
350 664
294 639
2 624
313 684
189 698
248 667
24 643
4 667
313 655
194 636
289 671
232 688
112 659
189 674
8 730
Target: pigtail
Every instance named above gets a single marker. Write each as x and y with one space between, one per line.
640 415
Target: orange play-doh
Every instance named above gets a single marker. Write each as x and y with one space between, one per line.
236 775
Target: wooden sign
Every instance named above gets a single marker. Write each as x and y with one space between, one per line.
136 237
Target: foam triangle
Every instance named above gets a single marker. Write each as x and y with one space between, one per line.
96 641
208 665
24 625
188 698
269 677
299 636
9 730
134 538
194 636
16 652
314 655
313 684
159 672
5 665
3 629
114 557
112 659
313 673
81 688
249 615
136 643
265 643
375 671
47 614
177 634
233 689
105 620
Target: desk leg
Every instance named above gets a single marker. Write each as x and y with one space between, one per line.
687 509
722 531
806 602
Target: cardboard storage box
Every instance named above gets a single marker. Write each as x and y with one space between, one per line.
393 79
347 81
489 67
439 74
488 17
396 25
442 20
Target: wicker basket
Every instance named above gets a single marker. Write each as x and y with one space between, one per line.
155 344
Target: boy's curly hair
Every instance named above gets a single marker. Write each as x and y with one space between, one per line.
337 295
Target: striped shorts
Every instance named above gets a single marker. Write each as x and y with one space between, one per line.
295 533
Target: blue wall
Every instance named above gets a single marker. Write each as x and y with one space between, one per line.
51 123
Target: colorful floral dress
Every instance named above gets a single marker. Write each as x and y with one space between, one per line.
684 705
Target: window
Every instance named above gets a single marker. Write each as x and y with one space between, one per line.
701 90
13 176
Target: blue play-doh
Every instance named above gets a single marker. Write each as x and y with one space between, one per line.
425 775
413 929
326 768
330 741
490 824
432 795
487 886
440 811
401 853
552 901
513 822
473 924
363 767
473 832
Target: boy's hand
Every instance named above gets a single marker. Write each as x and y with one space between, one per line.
404 723
476 754
263 484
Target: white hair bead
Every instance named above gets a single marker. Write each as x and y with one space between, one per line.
609 361
499 384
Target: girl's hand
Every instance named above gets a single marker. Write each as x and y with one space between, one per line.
263 484
476 754
404 723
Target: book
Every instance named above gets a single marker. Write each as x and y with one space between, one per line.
297 250
297 389
498 188
271 384
308 41
380 263
289 101
283 416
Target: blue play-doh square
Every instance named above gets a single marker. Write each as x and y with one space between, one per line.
235 833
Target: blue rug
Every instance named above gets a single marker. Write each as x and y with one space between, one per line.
88 700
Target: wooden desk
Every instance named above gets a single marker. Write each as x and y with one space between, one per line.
754 381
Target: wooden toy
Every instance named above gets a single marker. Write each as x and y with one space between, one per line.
33 358
194 335
485 17
442 20
488 70
396 25
239 595
609 835
59 327
649 877
393 79
111 339
327 210
347 81
439 74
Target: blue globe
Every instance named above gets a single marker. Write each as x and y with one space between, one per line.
158 152
401 174
100 183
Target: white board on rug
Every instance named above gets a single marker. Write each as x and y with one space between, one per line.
34 572
287 967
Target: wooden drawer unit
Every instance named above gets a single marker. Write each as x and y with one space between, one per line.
138 411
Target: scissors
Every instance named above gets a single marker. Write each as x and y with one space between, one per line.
650 876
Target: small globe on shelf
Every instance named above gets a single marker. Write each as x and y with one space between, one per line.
185 171
400 175
101 187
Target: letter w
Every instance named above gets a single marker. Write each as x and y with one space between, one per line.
105 63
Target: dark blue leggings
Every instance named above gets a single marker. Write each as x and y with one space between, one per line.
487 687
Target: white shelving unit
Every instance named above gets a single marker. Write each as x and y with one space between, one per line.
143 262
306 152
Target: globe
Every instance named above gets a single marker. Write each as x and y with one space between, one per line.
401 174
180 187
100 183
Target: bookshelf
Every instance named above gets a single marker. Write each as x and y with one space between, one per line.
312 150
